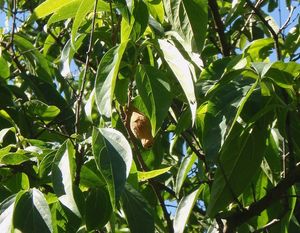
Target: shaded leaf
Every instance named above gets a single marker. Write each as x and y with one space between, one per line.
134 205
156 94
240 159
98 208
113 157
32 213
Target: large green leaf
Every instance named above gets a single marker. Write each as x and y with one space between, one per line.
240 159
138 211
50 6
189 18
32 213
63 172
283 74
156 9
156 94
106 78
180 67
184 210
113 157
69 10
135 27
6 214
84 8
98 208
14 158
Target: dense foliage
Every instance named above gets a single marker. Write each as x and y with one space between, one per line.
149 116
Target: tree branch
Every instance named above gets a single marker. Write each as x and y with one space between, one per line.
225 47
271 30
79 151
238 217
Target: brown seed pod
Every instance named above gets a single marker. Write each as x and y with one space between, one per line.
140 126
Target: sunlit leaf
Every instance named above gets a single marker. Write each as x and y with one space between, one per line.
142 176
189 18
63 172
184 210
180 67
106 78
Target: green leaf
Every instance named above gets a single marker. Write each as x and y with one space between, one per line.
41 110
17 182
113 157
3 132
63 171
50 6
6 214
84 8
134 205
69 10
283 74
98 208
14 159
181 69
184 168
33 55
32 213
240 159
184 210
189 18
261 68
142 176
135 27
260 49
156 9
156 94
90 177
5 72
106 78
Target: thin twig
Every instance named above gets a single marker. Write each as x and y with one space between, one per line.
257 5
79 150
219 27
287 20
271 30
88 53
112 23
267 226
14 13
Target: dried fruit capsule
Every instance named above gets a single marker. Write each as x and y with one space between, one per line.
141 128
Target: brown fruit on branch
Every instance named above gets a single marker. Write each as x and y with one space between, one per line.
140 126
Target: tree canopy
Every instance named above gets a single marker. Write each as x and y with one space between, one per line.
149 116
